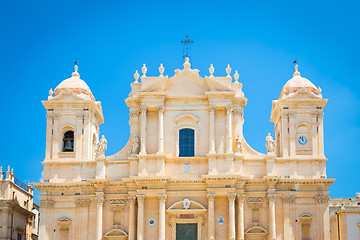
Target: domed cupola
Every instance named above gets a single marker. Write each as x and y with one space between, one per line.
297 82
76 85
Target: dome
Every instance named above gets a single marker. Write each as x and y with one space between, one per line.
75 84
297 82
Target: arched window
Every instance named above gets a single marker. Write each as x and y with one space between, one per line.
68 141
186 142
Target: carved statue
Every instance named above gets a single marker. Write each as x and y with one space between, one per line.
270 144
238 145
100 147
134 148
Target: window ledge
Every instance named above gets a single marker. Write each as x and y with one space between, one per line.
66 154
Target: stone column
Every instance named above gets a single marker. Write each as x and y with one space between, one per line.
241 228
232 197
161 130
315 134
212 129
162 200
284 142
134 122
272 228
140 225
211 217
5 213
228 129
173 229
99 214
323 216
45 229
143 110
292 134
132 224
239 121
288 218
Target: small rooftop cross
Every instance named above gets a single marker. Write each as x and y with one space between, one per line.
187 48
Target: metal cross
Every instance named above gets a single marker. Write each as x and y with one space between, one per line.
187 48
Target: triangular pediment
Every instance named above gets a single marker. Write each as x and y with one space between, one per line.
185 83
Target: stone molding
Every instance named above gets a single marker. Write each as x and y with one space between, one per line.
288 199
82 203
47 203
322 199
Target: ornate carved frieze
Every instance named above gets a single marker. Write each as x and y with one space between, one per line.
288 199
82 203
47 203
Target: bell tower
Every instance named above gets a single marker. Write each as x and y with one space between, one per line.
298 119
73 119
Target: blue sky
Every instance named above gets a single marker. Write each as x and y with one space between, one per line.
111 39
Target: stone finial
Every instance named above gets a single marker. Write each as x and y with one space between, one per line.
236 76
228 70
75 74
51 92
144 70
29 184
296 71
161 70
0 168
211 70
12 171
136 76
8 168
187 64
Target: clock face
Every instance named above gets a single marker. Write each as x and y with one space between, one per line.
302 140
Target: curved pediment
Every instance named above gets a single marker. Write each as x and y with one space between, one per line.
187 204
187 118
115 234
256 233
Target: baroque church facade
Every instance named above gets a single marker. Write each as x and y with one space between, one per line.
187 171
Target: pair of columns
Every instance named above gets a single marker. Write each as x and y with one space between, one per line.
229 137
143 111
211 216
140 224
240 226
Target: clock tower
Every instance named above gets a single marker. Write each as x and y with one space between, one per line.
298 119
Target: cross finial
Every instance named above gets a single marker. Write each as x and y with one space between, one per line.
187 47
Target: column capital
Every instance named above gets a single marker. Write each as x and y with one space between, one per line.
132 199
100 201
160 108
238 111
134 113
211 196
231 197
140 198
271 197
229 109
240 197
143 109
211 108
162 197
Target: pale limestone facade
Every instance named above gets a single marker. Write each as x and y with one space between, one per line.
221 188
19 215
345 218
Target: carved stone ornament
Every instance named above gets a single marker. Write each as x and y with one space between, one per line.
211 108
132 199
288 199
240 197
255 202
100 148
143 109
211 197
160 108
271 197
135 146
186 203
134 113
82 202
117 204
270 144
232 197
47 203
238 111
140 198
162 197
322 199
238 145
100 200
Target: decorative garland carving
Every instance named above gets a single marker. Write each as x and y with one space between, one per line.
47 203
322 199
82 202
288 199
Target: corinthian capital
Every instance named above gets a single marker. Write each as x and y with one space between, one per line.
134 113
231 197
212 108
162 197
229 109
160 108
238 111
211 196
143 109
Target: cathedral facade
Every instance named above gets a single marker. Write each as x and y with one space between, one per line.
187 172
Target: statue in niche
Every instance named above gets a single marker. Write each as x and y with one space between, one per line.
270 144
238 145
100 147
134 148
